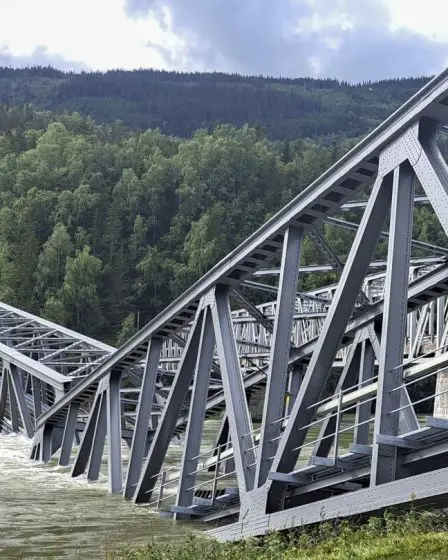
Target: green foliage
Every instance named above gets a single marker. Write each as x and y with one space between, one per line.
80 291
97 226
128 329
180 103
52 262
410 536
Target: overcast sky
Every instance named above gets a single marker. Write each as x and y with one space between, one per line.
346 39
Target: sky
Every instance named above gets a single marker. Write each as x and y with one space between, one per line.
353 40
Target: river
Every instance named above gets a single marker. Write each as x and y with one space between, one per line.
44 513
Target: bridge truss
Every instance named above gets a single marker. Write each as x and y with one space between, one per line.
336 370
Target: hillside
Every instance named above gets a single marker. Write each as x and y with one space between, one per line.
179 103
101 227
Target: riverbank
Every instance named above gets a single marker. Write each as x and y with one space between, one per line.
414 535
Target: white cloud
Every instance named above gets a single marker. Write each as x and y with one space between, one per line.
428 17
96 32
100 35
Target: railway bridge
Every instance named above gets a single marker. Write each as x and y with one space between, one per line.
316 397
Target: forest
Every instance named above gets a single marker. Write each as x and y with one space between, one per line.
180 103
102 226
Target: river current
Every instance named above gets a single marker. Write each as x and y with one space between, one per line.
44 513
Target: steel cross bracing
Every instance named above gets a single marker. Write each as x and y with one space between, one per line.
253 348
40 362
319 451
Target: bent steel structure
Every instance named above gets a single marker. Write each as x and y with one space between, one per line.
335 372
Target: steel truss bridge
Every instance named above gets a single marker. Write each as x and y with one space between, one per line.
338 375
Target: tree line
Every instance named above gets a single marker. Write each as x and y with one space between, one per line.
99 226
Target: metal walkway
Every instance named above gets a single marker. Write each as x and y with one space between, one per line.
318 394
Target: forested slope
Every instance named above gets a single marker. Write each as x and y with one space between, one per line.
98 226
180 103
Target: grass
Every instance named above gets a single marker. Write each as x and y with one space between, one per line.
410 535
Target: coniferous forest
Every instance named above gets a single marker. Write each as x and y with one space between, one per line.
118 190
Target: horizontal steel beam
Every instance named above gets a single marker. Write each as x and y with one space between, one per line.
44 373
385 235
10 310
354 205
326 268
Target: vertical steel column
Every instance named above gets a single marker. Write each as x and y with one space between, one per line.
37 398
82 457
363 410
69 433
432 314
45 447
19 395
240 425
96 454
114 432
13 406
165 429
412 319
274 402
56 439
295 380
441 401
390 374
329 340
430 168
440 320
196 413
143 416
3 396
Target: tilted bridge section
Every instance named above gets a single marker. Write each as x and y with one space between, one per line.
319 395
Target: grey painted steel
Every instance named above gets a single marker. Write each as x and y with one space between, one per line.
252 310
69 434
45 450
240 425
165 429
325 268
363 410
99 438
332 332
37 369
85 447
19 395
3 396
37 396
353 205
143 416
431 171
434 249
274 402
193 436
13 406
345 381
385 458
424 488
322 192
54 327
114 433
295 380
325 249
255 351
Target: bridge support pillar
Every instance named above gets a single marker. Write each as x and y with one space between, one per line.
441 401
385 458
